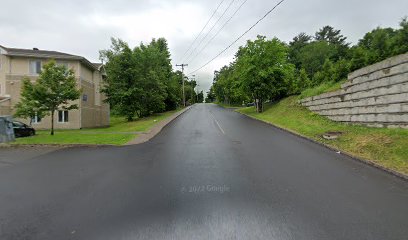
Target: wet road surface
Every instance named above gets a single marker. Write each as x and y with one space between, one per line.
210 174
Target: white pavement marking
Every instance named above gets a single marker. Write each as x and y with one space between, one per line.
218 124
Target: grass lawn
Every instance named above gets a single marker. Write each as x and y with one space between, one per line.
322 88
387 147
118 133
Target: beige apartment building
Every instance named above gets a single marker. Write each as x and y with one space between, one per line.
15 64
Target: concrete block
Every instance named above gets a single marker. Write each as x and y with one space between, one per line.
376 125
400 118
387 63
378 81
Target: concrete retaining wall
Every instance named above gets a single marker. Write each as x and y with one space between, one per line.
376 96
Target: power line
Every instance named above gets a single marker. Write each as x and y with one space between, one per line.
219 30
236 40
222 15
188 49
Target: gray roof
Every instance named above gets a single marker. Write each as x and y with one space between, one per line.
19 52
97 65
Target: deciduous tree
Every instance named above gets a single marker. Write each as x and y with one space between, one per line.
55 89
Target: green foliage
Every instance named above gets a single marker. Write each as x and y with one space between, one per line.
200 97
301 81
295 46
269 69
54 90
332 72
324 87
210 95
335 39
227 86
29 107
400 41
313 56
173 90
379 44
260 72
264 69
140 81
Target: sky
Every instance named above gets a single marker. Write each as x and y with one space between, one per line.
83 27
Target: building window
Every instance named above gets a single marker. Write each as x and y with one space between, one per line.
84 97
62 116
36 119
35 67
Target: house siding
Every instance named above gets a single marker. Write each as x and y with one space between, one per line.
89 114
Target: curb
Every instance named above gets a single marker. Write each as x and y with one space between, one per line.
366 161
16 145
145 137
141 138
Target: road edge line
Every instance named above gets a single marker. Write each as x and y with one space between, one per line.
145 137
356 158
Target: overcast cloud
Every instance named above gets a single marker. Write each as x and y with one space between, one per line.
85 27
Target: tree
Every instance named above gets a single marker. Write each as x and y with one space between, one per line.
335 39
295 46
400 41
228 86
330 35
174 98
189 86
210 95
313 56
120 87
269 69
139 80
200 97
359 57
153 70
264 69
301 82
378 44
28 107
54 89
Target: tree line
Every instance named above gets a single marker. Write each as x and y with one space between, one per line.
141 81
270 69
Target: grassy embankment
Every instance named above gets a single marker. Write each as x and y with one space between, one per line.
119 132
387 147
322 88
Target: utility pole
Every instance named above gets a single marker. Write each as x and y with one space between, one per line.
182 76
193 79
196 79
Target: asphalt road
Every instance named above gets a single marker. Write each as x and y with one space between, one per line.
210 174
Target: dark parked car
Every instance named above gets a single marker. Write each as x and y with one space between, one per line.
22 130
